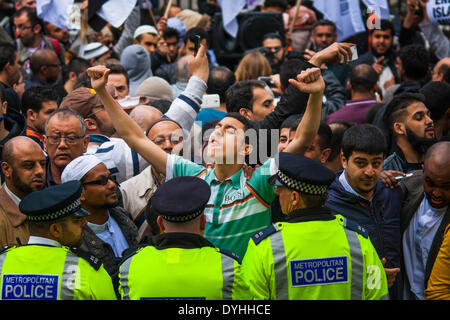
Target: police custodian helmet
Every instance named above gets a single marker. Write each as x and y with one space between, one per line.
54 202
181 199
302 174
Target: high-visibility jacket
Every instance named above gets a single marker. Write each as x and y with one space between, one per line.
314 256
181 265
41 272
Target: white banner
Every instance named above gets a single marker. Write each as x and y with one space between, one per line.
346 14
439 11
56 12
116 11
230 10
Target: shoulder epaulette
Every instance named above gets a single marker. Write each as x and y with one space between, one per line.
231 255
264 233
356 227
89 257
129 253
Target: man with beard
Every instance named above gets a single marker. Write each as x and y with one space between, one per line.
412 129
45 69
50 266
110 229
274 50
23 164
381 55
358 194
425 215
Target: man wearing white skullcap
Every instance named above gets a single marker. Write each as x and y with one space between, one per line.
109 230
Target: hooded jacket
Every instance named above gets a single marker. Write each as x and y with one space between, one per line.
136 61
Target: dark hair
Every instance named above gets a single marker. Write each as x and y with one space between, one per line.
34 96
77 65
196 32
151 217
384 25
171 32
2 93
208 125
240 95
119 69
219 80
363 78
445 70
32 16
437 98
365 138
314 201
273 35
325 22
7 54
291 122
83 81
290 69
396 109
415 60
276 3
336 141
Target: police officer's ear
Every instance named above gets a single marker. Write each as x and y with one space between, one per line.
161 225
296 199
56 230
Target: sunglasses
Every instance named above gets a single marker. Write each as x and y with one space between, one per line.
103 181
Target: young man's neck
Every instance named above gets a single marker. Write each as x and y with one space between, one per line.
362 95
4 78
411 155
226 171
56 173
222 107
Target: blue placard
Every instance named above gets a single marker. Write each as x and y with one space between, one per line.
319 271
30 287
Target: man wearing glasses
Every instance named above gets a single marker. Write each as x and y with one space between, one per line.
65 139
28 31
109 230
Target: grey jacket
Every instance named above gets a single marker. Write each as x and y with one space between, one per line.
334 94
413 195
103 250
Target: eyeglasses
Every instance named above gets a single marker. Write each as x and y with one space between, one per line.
92 113
173 139
103 181
68 139
21 27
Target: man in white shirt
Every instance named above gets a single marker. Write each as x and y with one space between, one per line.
24 168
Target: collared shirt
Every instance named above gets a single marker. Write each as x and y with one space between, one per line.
237 208
348 187
14 198
353 111
417 241
110 233
44 241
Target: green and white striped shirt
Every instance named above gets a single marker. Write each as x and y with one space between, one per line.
237 208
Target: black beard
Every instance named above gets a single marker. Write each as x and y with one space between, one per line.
420 145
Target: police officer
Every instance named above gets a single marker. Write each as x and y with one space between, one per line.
314 255
181 263
47 268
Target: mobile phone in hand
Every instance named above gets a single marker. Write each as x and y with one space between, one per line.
196 40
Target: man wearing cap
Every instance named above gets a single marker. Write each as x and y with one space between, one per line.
94 52
314 255
48 268
187 264
146 36
110 230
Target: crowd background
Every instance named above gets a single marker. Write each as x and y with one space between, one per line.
392 100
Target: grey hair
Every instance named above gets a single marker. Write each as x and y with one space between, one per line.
63 114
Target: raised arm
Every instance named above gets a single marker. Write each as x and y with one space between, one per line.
308 81
127 128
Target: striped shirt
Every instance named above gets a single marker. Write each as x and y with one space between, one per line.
237 208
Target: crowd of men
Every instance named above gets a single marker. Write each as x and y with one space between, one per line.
328 178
